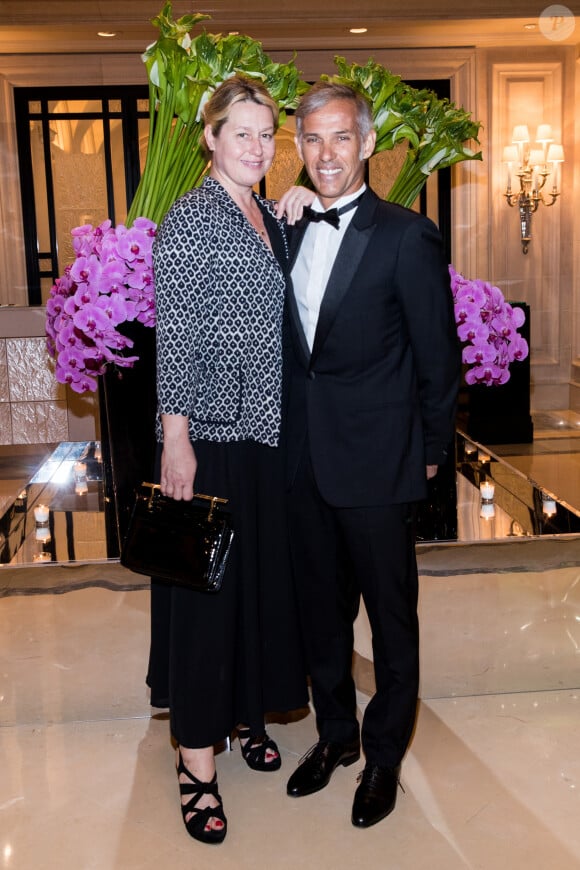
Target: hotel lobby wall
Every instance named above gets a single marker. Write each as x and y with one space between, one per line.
489 83
34 408
575 373
538 85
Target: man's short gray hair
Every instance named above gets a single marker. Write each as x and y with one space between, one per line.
322 93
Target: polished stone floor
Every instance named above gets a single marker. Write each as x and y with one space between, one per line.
553 459
491 782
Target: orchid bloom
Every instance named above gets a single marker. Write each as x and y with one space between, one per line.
109 283
488 326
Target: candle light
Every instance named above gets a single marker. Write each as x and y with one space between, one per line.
549 506
537 163
487 511
81 487
555 157
98 451
42 533
41 557
486 490
41 512
510 156
80 469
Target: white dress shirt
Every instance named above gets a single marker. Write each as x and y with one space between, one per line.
314 263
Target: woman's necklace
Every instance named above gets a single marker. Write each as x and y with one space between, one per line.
258 224
254 216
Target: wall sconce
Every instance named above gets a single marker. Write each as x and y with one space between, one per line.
532 166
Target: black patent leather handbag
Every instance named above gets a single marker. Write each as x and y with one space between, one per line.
186 542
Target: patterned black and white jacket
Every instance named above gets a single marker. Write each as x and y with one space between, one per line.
219 293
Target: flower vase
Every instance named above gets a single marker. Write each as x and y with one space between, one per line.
500 414
436 518
127 407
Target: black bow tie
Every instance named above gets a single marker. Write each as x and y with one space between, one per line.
332 216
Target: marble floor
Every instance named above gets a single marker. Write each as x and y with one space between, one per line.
491 781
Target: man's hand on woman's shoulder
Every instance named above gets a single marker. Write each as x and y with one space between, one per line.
291 204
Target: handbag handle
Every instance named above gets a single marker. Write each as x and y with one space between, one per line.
213 499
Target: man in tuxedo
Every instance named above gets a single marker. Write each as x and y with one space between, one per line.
373 363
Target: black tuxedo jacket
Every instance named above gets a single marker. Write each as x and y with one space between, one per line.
376 397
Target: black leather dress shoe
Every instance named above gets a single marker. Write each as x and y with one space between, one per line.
318 765
376 795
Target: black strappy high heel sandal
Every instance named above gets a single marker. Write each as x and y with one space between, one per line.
255 749
196 824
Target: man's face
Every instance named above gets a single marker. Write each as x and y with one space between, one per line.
334 151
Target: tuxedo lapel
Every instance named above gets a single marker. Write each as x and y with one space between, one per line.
350 254
295 321
295 235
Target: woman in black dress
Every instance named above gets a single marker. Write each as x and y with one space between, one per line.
221 661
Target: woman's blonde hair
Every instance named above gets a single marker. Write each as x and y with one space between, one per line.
238 89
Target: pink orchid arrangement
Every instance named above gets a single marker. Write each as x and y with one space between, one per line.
109 282
488 326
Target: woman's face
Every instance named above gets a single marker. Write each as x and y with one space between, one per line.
243 150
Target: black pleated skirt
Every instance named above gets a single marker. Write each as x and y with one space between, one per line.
220 659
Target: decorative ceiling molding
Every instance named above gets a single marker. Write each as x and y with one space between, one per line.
62 26
135 11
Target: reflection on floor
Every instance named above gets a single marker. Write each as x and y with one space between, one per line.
553 459
492 779
18 463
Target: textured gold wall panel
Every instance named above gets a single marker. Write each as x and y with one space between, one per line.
33 407
39 422
4 385
5 424
30 374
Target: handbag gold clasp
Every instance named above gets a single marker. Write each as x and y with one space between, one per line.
152 487
213 499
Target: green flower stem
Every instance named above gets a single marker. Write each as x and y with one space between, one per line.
175 153
408 185
155 164
181 71
192 167
436 131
